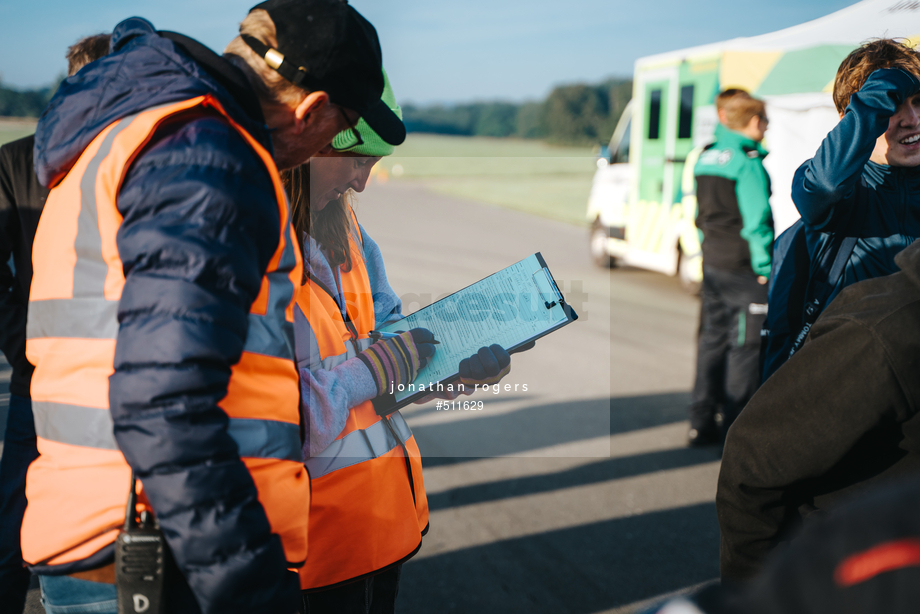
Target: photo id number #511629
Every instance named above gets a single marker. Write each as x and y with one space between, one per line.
457 404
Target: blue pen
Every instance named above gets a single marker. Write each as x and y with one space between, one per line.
378 335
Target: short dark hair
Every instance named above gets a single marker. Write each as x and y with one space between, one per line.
727 94
867 58
87 49
740 109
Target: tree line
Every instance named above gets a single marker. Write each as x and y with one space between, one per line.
572 114
25 103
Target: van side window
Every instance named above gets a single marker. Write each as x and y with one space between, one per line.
621 155
654 114
685 123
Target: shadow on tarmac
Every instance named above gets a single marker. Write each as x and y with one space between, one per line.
578 570
541 426
582 569
593 473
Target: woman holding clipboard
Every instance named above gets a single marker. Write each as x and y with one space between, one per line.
369 510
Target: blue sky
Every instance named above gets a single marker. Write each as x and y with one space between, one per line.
434 50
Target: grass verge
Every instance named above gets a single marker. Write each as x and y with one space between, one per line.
529 176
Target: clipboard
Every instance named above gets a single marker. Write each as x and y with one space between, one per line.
512 307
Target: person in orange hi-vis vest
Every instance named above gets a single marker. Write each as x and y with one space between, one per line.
369 510
162 303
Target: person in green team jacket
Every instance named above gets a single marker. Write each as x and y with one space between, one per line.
734 217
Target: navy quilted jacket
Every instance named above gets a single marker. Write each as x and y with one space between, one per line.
840 192
200 226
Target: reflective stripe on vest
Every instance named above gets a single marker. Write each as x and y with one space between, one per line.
92 427
71 333
352 536
360 445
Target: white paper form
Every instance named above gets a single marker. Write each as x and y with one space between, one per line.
510 308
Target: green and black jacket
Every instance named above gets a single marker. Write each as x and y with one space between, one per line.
733 195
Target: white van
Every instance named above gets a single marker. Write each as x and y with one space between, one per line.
637 209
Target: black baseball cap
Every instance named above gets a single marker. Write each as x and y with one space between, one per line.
326 45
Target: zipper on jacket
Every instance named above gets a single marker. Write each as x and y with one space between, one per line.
386 420
346 317
343 308
352 329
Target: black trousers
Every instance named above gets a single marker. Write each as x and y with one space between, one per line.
733 310
19 450
373 595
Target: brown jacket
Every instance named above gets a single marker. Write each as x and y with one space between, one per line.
841 415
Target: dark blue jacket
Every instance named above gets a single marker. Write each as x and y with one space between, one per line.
21 202
200 226
840 192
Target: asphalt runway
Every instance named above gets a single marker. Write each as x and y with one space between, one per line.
578 495
596 505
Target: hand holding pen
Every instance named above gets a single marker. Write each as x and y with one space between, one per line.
395 359
377 335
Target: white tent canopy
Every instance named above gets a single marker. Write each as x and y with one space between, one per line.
849 26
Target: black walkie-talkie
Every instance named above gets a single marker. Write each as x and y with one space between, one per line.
140 556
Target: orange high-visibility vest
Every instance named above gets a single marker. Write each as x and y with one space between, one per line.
77 488
369 509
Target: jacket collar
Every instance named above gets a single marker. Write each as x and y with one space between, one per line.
731 138
224 72
876 174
